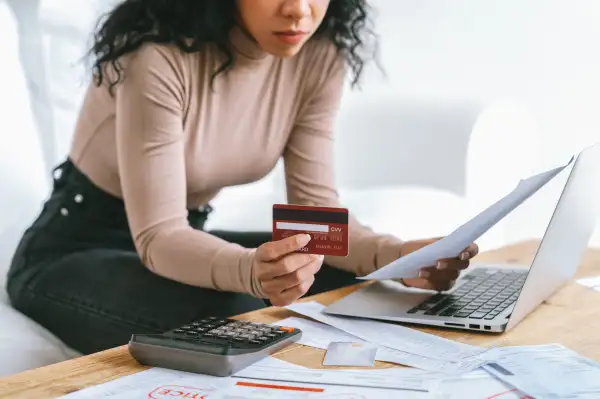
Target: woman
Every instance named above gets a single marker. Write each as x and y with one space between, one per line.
189 97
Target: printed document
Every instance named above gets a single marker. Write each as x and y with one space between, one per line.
159 383
546 371
476 385
400 378
274 390
152 383
453 244
320 335
390 335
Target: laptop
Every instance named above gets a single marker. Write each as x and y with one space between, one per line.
495 298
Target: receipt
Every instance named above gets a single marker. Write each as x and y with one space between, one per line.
391 335
545 371
319 335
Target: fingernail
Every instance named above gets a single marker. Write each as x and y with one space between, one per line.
424 274
303 239
441 265
464 256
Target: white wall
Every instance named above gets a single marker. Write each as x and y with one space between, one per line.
544 53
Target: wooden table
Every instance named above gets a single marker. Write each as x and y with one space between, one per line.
570 317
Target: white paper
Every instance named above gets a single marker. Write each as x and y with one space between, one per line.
453 244
289 390
592 282
546 371
475 385
390 335
319 335
272 378
152 383
403 379
159 379
159 383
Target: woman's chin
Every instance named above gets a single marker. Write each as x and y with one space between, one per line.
283 50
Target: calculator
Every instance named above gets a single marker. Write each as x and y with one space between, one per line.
214 346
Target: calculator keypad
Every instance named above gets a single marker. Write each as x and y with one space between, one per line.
232 332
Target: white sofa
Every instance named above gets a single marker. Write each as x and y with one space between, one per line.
411 167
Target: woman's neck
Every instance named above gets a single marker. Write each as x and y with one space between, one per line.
245 44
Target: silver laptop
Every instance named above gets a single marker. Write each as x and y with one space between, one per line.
495 298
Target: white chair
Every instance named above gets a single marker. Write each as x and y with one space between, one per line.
409 167
420 168
24 344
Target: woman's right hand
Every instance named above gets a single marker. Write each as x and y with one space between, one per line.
284 274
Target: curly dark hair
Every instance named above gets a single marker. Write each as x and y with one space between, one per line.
192 24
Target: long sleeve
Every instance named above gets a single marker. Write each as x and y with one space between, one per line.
150 110
310 178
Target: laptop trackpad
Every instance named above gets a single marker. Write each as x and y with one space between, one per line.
382 298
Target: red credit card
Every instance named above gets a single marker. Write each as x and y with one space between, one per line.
328 227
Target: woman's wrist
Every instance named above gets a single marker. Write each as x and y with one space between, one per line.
256 289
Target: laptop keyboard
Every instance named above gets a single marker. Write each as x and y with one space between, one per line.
484 294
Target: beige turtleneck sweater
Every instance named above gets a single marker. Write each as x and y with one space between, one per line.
167 143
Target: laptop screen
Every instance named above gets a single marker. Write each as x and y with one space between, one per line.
562 216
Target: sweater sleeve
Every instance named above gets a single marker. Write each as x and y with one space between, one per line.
150 103
310 179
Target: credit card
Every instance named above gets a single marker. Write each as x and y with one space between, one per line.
327 226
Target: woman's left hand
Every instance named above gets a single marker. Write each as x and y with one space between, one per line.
443 275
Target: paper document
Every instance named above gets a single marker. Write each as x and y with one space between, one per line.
158 379
290 390
546 371
476 385
402 379
153 383
159 383
320 335
592 282
453 244
390 335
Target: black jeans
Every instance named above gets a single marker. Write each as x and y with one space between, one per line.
77 273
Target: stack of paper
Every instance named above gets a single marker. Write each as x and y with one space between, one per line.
398 344
269 378
457 370
319 335
540 372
